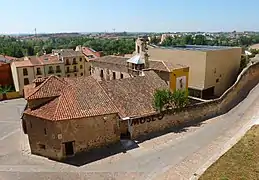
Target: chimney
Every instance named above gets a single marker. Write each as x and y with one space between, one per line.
146 58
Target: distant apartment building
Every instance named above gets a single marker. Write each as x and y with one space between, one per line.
6 78
62 63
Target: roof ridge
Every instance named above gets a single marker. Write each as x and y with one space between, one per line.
166 66
107 95
42 84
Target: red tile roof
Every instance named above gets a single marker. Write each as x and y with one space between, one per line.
72 98
88 51
81 97
134 96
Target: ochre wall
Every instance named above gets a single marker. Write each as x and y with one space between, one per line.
246 81
178 73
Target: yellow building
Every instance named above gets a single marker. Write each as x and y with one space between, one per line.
62 63
179 79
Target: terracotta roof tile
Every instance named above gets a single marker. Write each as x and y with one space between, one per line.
80 97
134 96
76 98
51 87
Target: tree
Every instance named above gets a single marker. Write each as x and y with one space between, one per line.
164 98
180 98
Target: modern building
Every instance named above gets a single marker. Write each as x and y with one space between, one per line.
65 116
62 63
213 69
6 78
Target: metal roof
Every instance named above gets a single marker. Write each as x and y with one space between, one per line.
136 60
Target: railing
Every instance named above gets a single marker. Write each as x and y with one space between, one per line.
38 73
50 72
58 71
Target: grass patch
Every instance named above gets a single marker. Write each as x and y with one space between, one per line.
241 162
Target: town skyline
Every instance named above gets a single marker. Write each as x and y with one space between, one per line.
133 16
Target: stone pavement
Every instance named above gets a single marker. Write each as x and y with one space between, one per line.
176 155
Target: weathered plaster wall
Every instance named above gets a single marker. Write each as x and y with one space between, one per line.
87 133
248 78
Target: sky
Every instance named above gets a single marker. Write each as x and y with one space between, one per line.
53 16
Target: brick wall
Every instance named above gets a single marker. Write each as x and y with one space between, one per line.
247 80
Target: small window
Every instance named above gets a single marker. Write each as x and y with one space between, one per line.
58 69
51 70
68 75
26 81
74 61
25 72
215 70
81 74
217 80
101 74
45 131
75 74
121 76
59 75
81 66
74 68
114 75
80 59
67 69
67 61
42 146
38 71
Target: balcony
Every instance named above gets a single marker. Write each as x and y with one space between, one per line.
58 71
51 72
67 63
75 70
134 72
74 63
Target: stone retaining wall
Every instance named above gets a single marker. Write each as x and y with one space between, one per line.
245 82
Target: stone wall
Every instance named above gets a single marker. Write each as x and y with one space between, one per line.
246 81
47 138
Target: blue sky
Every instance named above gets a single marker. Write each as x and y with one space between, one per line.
22 16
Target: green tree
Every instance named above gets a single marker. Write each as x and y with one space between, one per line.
164 98
180 98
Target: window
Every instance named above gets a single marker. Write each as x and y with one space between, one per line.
25 72
67 62
101 74
80 59
121 76
74 61
26 81
67 69
45 131
81 74
217 80
42 146
59 75
114 75
138 49
81 66
75 70
68 75
58 70
51 70
38 71
75 74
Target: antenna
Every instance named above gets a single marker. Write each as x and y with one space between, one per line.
35 30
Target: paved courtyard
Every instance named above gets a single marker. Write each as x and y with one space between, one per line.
175 155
